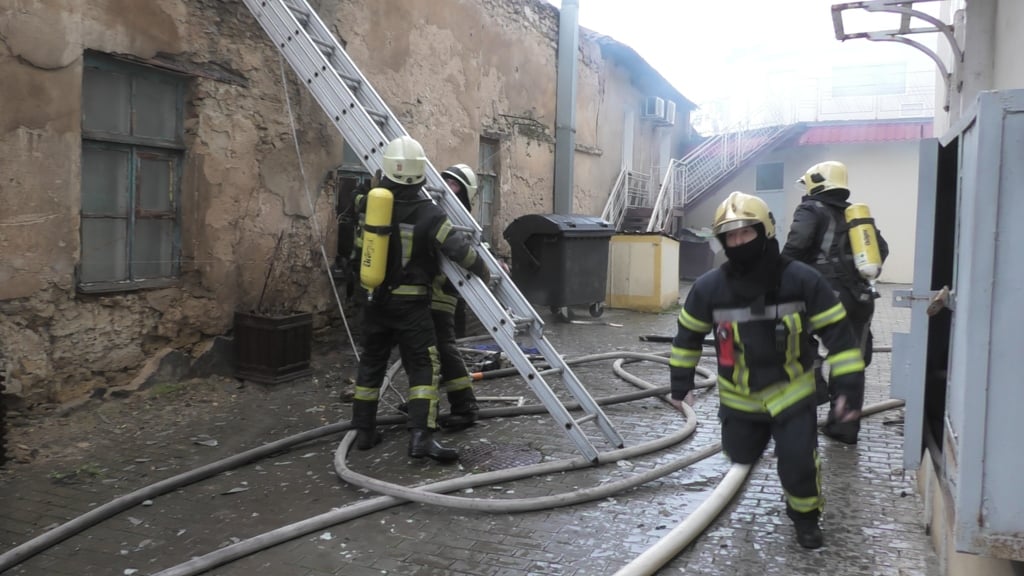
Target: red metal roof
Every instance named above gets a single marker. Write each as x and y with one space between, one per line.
874 132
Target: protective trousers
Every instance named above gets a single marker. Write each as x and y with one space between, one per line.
796 442
460 318
408 324
859 315
455 380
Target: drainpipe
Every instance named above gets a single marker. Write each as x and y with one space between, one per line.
565 105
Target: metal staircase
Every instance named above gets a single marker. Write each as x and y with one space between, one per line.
707 165
359 113
685 179
630 195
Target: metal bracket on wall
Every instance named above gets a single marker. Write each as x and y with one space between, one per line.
940 299
905 9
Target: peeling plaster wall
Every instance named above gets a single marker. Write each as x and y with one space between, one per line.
451 71
488 67
464 68
241 191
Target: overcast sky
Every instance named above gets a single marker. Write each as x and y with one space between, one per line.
712 48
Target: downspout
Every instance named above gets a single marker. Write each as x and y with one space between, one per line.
565 105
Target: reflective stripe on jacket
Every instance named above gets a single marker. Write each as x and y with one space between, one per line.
765 350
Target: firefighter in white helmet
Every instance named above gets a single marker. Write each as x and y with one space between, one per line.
819 236
448 311
461 181
398 310
763 309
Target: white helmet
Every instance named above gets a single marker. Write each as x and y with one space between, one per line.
464 175
404 161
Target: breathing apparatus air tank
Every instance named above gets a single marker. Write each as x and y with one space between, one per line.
376 233
864 243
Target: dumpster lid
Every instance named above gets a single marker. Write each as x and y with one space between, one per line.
560 224
694 234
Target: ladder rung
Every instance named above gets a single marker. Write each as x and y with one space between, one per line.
586 419
352 82
521 323
326 47
300 14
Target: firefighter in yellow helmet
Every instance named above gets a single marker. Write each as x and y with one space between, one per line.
763 309
398 311
448 311
819 237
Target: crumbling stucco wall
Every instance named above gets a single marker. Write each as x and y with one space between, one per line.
452 72
241 190
475 68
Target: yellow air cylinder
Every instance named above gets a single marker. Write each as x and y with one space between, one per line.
864 242
376 232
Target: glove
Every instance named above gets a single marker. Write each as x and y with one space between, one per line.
851 387
484 273
681 380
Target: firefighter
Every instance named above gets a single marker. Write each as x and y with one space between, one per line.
819 237
398 311
461 180
448 311
763 309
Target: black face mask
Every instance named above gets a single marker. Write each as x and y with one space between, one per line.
745 256
753 268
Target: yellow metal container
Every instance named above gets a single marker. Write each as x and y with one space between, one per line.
643 272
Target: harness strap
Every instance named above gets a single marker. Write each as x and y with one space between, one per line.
771 312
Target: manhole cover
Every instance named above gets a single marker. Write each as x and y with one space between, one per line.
490 457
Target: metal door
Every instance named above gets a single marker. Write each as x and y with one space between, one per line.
910 350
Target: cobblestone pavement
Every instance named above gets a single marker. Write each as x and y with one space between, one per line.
104 450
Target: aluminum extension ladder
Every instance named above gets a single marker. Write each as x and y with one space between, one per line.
368 125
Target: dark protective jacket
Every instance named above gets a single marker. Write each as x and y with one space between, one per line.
764 345
420 232
444 295
819 236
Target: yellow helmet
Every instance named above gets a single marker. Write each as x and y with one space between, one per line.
824 176
404 161
739 210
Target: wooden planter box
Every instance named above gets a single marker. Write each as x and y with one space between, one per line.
273 349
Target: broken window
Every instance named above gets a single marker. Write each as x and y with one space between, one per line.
132 151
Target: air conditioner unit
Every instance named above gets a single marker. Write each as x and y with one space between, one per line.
654 108
670 113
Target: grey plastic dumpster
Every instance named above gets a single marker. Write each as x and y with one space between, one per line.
561 260
695 255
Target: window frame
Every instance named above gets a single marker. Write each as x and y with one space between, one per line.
170 149
781 179
488 182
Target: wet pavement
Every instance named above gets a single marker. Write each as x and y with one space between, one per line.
105 450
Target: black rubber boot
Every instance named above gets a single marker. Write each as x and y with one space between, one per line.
462 416
422 444
808 534
367 438
364 420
